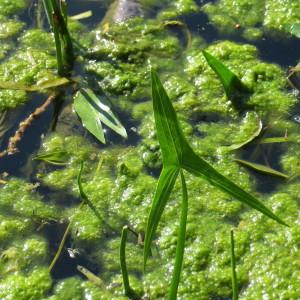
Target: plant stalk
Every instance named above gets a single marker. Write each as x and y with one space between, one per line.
233 268
180 241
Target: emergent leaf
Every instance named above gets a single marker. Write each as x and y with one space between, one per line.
164 188
230 81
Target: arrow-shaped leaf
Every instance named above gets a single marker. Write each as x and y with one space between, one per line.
177 154
93 112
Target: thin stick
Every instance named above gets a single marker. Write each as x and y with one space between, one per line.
61 245
14 140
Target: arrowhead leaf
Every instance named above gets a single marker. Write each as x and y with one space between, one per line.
93 112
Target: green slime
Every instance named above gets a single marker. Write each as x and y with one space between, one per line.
118 181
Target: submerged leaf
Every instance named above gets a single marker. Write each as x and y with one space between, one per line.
261 168
59 158
271 140
295 30
34 88
255 134
93 112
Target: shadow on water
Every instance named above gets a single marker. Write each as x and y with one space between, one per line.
273 49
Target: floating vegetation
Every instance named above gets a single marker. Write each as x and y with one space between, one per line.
82 151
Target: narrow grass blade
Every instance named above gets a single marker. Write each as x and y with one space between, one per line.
168 131
261 168
58 158
201 168
49 10
271 140
93 112
180 241
230 81
233 269
164 188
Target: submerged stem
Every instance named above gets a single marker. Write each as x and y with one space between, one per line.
233 266
129 292
61 245
180 241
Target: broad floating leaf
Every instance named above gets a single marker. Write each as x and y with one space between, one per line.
261 168
93 112
59 158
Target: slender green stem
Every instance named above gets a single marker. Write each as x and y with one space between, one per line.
84 196
49 10
58 46
180 242
233 269
123 265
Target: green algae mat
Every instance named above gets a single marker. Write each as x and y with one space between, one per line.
68 190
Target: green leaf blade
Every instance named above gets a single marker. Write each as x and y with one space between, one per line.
93 112
59 158
261 168
164 188
295 30
230 81
170 137
199 167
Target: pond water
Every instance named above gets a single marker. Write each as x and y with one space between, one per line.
39 201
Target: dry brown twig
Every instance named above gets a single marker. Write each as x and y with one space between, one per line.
16 138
